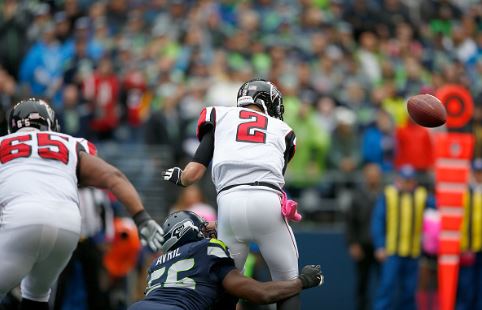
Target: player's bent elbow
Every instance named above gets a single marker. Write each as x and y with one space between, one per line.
262 295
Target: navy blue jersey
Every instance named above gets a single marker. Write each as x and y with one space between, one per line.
191 276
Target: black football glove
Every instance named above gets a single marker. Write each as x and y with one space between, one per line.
150 232
311 276
173 175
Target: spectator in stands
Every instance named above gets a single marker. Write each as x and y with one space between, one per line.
354 96
396 233
8 94
41 69
344 155
163 126
306 168
13 33
360 244
368 56
92 49
101 90
414 147
74 117
325 113
469 292
79 66
378 142
393 103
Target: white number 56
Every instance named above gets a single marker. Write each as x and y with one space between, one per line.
172 280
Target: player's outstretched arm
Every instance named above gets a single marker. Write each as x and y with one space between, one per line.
93 171
195 169
269 292
191 174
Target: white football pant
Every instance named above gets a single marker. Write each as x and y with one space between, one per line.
253 214
35 254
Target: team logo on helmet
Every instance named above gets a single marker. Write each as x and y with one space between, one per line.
180 229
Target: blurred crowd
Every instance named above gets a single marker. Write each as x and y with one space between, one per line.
140 71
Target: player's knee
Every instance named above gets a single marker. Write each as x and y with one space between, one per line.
35 294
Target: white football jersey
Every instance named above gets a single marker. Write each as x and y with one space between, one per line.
38 167
249 146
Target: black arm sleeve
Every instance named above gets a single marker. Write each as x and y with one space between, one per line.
290 148
205 150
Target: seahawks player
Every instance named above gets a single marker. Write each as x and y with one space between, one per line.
195 272
40 170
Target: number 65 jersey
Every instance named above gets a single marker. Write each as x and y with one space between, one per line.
249 146
38 178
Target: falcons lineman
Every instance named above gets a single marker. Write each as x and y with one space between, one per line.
249 146
40 170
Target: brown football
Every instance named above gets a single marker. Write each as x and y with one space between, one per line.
426 110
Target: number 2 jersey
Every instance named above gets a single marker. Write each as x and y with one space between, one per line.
249 146
190 277
38 179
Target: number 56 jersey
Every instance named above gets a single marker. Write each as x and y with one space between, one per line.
249 146
38 178
191 276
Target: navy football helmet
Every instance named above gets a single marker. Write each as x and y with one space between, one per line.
183 227
34 113
264 94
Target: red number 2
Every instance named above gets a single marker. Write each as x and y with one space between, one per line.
257 121
10 151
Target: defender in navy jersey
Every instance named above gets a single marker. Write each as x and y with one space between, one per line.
197 273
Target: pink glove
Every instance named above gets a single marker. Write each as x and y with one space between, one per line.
289 209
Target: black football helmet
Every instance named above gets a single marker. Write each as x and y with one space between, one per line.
183 227
263 94
34 113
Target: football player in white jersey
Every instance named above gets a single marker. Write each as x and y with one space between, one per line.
40 170
249 146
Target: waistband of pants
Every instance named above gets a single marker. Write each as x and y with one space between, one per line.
265 184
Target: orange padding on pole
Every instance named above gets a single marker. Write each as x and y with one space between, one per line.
451 174
450 221
449 198
454 145
447 281
449 246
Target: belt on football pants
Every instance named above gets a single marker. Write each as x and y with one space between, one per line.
265 184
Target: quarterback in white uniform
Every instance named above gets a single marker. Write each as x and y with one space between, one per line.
249 147
40 170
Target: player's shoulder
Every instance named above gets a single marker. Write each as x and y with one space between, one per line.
218 248
281 125
211 247
220 110
86 145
